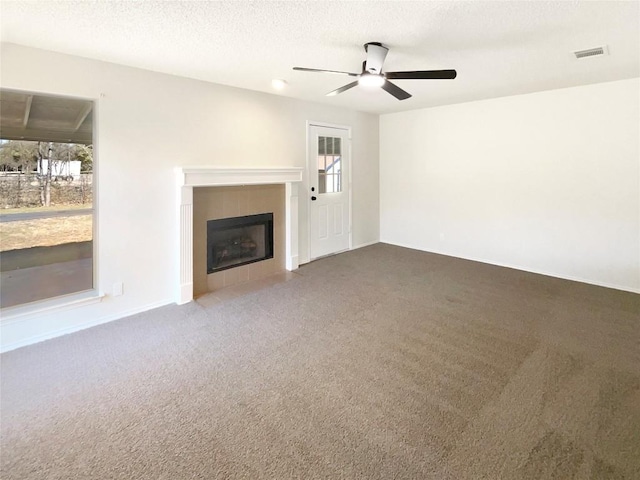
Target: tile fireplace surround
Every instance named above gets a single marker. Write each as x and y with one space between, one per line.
188 178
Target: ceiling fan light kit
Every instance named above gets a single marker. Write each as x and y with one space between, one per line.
279 84
371 80
372 75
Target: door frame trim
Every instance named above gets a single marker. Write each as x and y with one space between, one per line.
347 129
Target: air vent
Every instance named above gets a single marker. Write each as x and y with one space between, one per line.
592 52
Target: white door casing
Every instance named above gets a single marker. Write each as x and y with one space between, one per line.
328 161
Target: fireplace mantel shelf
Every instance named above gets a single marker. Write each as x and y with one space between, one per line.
220 176
190 177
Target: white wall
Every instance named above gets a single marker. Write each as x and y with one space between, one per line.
149 123
545 182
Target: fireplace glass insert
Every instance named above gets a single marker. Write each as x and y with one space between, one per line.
236 241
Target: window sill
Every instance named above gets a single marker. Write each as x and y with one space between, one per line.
20 313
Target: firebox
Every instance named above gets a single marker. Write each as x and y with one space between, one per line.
236 241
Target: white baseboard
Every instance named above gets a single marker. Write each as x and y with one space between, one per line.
75 328
362 245
523 269
109 318
186 293
292 263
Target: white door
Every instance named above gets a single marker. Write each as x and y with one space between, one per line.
328 190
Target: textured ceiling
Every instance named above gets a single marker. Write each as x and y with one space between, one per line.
498 48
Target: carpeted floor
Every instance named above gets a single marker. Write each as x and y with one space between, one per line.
381 363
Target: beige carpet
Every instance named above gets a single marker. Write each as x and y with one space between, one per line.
381 363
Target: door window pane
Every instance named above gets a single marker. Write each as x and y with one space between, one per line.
329 165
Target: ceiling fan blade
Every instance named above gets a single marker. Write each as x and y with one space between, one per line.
396 91
302 69
342 89
422 75
376 53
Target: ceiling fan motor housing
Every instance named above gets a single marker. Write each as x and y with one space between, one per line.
377 44
376 53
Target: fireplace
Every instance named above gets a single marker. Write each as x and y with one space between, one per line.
190 177
236 241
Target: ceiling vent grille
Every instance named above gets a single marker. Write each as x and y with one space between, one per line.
592 52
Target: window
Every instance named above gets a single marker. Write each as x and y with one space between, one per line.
329 165
46 197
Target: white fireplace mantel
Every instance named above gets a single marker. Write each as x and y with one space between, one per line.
189 177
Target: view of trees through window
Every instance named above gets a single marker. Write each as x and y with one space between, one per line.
46 220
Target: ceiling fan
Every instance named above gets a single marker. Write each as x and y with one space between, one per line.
372 75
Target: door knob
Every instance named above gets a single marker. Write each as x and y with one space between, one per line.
313 198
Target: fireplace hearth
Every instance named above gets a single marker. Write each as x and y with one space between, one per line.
236 241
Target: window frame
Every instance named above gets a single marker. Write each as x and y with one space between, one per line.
91 295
